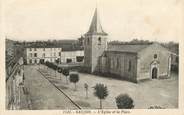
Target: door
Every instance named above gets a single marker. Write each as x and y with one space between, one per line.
154 73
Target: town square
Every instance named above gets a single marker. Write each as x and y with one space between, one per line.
131 67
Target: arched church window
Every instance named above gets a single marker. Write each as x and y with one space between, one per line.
155 56
87 41
99 40
129 65
177 60
118 63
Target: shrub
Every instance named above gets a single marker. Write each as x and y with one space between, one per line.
101 92
25 62
60 69
41 61
66 73
124 101
74 78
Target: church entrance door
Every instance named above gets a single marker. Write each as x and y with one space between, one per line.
154 73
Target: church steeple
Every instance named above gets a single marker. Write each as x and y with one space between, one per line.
95 43
95 27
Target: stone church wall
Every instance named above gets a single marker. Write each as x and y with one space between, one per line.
145 59
122 65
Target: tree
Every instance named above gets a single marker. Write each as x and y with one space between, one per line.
101 92
124 101
54 67
65 73
74 78
41 62
46 63
57 62
60 71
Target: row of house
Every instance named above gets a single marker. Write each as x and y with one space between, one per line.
52 53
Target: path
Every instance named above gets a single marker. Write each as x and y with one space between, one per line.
42 93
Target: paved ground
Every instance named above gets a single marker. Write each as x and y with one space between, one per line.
44 96
42 93
145 94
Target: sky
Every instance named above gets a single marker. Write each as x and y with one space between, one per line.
156 20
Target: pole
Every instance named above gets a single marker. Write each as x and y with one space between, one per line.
19 96
60 56
100 103
86 93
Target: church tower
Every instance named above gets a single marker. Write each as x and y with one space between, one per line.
95 43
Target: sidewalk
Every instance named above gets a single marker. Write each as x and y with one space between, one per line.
42 93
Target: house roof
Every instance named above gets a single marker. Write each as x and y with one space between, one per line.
95 27
66 45
71 47
127 48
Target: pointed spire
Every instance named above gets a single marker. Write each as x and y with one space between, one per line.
95 27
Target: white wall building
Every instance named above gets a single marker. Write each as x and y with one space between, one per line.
72 56
33 55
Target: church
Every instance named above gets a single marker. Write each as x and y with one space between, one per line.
131 62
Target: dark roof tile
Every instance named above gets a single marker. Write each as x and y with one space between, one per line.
126 48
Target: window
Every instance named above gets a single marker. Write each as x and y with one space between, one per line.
30 61
79 58
99 40
68 60
177 60
30 54
111 64
59 53
43 49
35 54
118 63
54 53
129 65
155 56
30 49
87 41
34 49
114 64
35 61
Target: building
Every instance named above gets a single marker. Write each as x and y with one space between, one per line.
50 53
136 62
131 62
75 56
34 54
95 43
